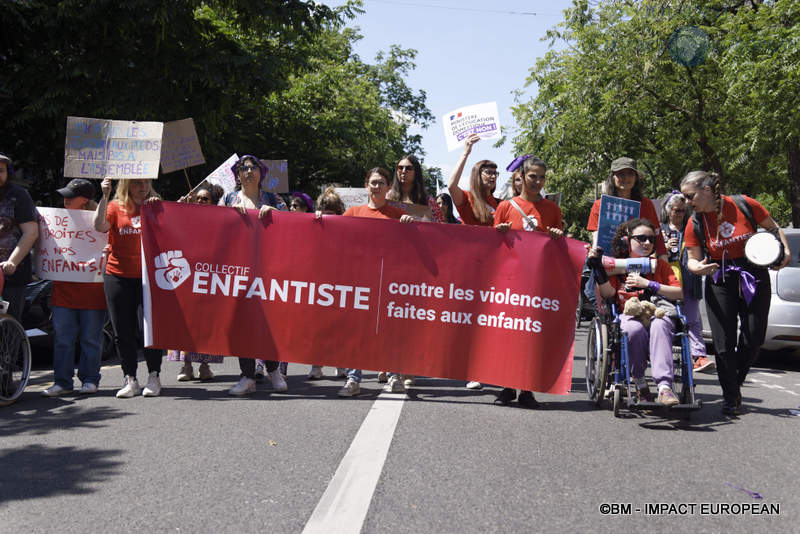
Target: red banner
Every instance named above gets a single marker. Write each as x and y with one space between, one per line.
424 299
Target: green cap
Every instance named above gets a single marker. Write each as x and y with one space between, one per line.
624 163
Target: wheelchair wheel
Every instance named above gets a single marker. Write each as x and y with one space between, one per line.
617 401
597 361
15 360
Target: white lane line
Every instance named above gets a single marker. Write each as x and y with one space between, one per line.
344 505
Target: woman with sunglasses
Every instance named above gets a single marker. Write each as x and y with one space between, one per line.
636 239
249 171
737 293
673 222
408 191
209 195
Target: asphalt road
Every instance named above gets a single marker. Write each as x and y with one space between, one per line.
198 460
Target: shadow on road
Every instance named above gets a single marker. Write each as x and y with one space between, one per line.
35 415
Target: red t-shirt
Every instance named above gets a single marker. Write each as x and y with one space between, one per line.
125 238
545 213
664 275
78 295
733 232
386 211
646 211
465 210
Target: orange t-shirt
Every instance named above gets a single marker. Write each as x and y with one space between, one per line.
125 238
78 295
386 211
646 211
663 275
465 210
545 214
733 232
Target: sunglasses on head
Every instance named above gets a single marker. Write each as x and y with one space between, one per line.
642 238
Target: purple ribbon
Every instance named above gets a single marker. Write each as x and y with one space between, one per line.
517 162
747 282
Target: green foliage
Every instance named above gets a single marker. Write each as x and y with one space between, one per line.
276 78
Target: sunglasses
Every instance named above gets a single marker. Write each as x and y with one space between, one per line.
641 238
247 168
405 167
489 172
689 196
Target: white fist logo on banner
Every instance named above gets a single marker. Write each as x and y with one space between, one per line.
172 269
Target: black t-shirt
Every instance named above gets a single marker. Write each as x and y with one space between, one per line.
16 207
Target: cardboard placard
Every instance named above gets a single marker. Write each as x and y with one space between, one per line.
180 147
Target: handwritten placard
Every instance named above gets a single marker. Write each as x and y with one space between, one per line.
69 248
277 178
100 148
180 147
481 119
223 175
352 196
613 211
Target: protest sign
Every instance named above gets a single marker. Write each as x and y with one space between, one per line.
100 148
277 178
436 300
69 248
223 175
180 147
482 119
352 196
613 211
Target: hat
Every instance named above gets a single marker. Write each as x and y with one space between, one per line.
624 163
5 158
305 198
77 187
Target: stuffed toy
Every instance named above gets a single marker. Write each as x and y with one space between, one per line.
642 310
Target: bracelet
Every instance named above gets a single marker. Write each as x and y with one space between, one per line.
653 286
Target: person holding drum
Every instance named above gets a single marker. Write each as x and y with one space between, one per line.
738 288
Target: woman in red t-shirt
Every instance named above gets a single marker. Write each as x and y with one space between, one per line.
477 205
540 215
737 292
79 313
408 191
636 239
123 278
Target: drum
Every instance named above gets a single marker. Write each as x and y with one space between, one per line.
764 249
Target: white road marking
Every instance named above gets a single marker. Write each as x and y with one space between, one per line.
344 505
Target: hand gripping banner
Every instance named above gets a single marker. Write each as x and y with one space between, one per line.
425 299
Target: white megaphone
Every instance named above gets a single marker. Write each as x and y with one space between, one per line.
629 265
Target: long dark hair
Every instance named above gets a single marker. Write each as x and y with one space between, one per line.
447 201
610 188
480 208
620 245
418 194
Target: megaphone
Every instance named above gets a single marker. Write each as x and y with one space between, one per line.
645 265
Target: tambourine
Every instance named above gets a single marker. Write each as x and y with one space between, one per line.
764 249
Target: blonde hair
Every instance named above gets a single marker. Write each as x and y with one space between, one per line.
122 194
330 200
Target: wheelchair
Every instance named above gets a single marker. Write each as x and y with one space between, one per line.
15 355
608 370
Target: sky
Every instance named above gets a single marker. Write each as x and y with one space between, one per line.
468 52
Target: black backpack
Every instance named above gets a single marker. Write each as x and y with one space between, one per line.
743 206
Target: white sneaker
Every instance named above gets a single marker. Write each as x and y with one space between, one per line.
55 391
394 385
88 388
315 373
351 389
382 376
259 372
278 381
204 373
474 385
243 387
130 389
153 387
341 372
186 373
408 382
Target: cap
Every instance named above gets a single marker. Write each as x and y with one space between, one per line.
624 163
5 158
77 187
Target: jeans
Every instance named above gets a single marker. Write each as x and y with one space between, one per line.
69 326
691 310
354 374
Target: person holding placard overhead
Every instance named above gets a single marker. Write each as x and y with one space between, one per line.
79 313
19 230
123 278
477 205
249 171
738 290
531 212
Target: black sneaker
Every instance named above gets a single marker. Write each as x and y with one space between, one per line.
527 400
506 396
729 408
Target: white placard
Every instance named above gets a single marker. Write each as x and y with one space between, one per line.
482 119
353 196
69 248
223 175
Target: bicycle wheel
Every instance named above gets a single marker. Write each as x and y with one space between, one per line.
15 360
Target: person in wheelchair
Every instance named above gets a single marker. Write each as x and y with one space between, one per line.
636 239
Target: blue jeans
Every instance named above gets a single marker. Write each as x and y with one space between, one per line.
355 374
69 326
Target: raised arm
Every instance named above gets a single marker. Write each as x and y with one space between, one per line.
101 224
452 186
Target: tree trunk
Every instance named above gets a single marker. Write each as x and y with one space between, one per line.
793 164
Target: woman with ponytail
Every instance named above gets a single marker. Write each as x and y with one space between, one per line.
736 290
